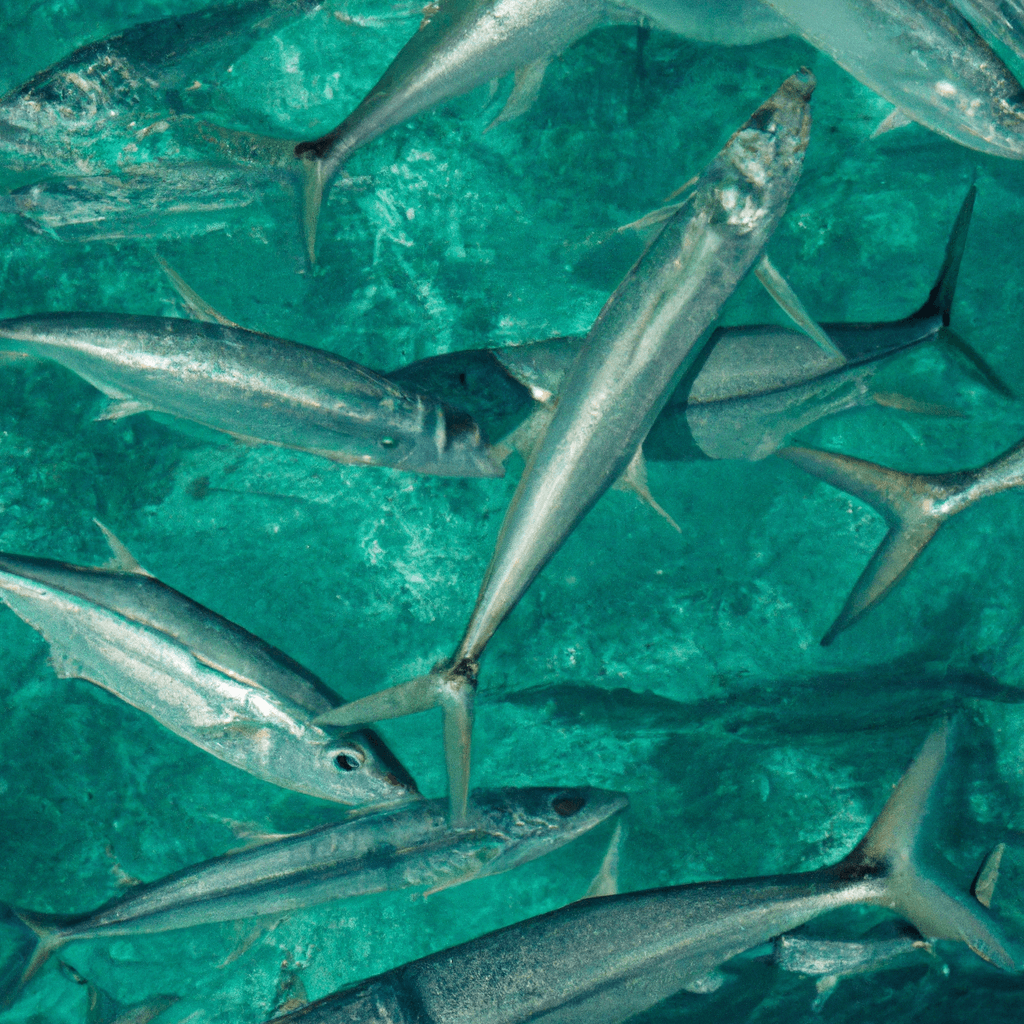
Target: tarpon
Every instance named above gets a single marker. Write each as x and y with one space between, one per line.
369 852
926 59
642 342
758 384
256 387
204 678
604 959
914 505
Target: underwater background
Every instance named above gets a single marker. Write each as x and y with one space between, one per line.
684 669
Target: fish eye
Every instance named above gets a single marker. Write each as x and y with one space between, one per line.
388 442
567 806
347 762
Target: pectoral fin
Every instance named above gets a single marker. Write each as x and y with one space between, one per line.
527 85
419 694
635 479
119 410
893 400
893 120
781 291
606 881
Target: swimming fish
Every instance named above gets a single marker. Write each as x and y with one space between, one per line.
914 505
604 959
460 45
368 852
122 90
925 58
1003 18
830 960
256 387
204 678
644 339
758 384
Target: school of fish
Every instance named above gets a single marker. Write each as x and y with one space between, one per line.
107 143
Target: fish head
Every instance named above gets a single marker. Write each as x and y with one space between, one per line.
357 768
452 446
540 819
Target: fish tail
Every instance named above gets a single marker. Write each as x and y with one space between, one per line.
906 501
940 298
451 687
49 929
936 906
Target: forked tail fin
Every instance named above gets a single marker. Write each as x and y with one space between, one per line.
938 908
49 929
911 505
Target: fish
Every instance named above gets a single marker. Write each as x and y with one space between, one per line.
258 388
206 679
830 960
460 44
124 88
368 852
758 385
914 505
606 958
644 339
926 59
1003 18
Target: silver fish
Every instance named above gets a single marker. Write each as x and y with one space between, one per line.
256 387
201 676
120 90
914 505
924 57
369 852
758 384
1003 18
648 333
604 959
461 44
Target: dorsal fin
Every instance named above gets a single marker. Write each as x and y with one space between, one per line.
123 560
197 305
788 301
984 884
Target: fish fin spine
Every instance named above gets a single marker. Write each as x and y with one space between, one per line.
940 298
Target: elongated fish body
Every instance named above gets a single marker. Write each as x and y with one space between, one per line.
605 959
201 676
256 387
461 44
405 846
640 345
927 59
91 96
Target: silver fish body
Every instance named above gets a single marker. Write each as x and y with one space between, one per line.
924 57
406 846
602 960
203 677
732 22
642 342
257 387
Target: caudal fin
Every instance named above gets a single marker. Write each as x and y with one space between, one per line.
937 907
908 502
49 930
450 687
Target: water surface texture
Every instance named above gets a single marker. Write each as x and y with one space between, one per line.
682 668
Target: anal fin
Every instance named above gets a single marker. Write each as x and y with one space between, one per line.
893 120
635 479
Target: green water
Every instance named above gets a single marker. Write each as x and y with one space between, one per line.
683 669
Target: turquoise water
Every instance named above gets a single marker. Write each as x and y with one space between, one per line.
683 669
